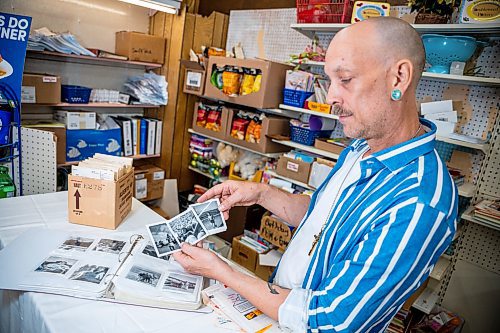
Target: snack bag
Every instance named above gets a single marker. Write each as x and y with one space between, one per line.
214 119
258 80
201 115
216 77
239 126
254 129
247 83
231 78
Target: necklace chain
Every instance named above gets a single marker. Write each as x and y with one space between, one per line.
318 235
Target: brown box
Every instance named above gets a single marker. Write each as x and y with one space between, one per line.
194 78
293 169
329 147
149 182
59 131
244 255
140 47
264 272
275 231
99 203
270 126
41 89
270 94
223 122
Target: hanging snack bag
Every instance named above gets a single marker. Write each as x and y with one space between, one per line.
239 126
214 119
258 80
247 83
254 129
216 77
231 79
201 115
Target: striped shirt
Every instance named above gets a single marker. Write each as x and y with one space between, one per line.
382 238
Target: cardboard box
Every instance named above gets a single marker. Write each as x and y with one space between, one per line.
194 78
202 130
244 255
293 169
59 131
241 217
77 119
41 89
270 94
275 231
81 144
264 272
140 47
149 182
323 144
99 203
270 126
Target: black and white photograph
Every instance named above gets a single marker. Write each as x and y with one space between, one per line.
186 227
90 273
149 250
164 241
77 244
209 214
144 275
179 282
57 265
109 245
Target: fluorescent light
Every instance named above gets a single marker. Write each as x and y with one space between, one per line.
93 6
167 6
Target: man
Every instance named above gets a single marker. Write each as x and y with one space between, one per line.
372 232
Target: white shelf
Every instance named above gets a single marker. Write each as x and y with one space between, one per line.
468 216
220 179
466 190
306 62
270 155
479 146
301 110
462 79
309 29
426 301
293 181
309 149
442 266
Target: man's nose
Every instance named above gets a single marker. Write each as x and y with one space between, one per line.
333 96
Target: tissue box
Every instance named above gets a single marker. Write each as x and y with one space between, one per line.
82 144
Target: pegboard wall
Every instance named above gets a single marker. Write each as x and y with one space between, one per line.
480 245
38 161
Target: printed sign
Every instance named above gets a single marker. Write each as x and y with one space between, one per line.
480 11
365 9
276 232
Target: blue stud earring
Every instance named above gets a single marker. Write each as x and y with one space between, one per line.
396 95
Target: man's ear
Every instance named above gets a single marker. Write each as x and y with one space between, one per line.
402 75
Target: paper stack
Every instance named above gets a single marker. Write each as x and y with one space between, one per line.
488 211
103 167
441 113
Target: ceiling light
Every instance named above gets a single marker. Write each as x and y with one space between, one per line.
167 6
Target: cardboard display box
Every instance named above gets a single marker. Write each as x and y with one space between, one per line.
244 255
293 169
149 182
82 144
99 203
59 131
270 94
140 47
275 231
270 126
264 272
194 78
41 89
323 144
224 123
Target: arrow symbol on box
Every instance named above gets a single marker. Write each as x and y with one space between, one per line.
77 196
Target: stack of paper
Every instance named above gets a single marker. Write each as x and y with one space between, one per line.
488 211
148 88
44 39
441 113
104 167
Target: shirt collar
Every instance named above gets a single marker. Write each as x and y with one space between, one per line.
398 156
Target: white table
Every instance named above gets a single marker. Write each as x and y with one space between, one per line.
38 312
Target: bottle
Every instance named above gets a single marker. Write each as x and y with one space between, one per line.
7 187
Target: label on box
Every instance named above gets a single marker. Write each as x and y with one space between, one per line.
28 94
292 166
141 188
194 79
139 176
123 98
49 79
158 175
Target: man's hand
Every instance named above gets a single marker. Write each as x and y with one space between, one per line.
235 193
199 261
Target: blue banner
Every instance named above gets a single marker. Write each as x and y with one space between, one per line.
14 33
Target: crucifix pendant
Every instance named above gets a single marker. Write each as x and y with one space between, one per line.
315 241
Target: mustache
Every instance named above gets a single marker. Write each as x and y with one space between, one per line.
340 111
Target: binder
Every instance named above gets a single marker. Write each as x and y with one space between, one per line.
126 126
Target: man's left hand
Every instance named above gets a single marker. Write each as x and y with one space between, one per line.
196 260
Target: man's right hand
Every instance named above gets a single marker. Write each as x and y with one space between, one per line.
235 193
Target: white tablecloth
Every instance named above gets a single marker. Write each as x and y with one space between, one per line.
37 312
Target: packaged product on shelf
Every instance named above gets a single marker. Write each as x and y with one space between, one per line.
254 129
216 77
201 115
248 81
231 79
214 119
258 81
239 126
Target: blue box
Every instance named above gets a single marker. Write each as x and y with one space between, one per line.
81 144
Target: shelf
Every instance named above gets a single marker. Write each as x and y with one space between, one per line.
309 29
309 149
301 110
468 216
206 174
135 157
270 155
466 190
96 105
308 63
440 268
462 79
296 182
56 56
479 146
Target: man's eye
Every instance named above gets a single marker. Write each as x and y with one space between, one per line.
345 81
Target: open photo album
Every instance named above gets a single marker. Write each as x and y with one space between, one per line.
116 267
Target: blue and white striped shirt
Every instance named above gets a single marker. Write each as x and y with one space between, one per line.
382 239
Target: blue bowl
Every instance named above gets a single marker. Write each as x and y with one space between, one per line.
441 51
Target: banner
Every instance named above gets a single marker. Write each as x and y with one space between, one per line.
14 33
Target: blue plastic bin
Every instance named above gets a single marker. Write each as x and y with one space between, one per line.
75 94
295 98
306 136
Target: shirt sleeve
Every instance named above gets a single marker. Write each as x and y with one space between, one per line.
362 291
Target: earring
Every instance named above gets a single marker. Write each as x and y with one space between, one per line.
396 95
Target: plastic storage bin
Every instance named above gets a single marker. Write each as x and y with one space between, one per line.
75 94
295 98
332 11
306 136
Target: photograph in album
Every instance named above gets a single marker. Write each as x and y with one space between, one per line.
144 275
77 244
90 273
57 265
150 251
109 246
179 282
